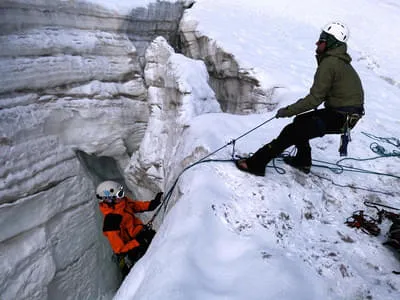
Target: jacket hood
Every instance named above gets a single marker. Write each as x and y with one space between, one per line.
339 52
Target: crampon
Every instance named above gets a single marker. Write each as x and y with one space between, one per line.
364 222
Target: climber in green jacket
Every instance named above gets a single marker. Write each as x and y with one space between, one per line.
337 85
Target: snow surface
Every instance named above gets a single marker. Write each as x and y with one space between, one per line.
236 236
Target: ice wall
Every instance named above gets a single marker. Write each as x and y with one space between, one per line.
73 110
237 90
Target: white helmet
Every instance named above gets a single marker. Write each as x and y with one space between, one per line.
109 191
338 30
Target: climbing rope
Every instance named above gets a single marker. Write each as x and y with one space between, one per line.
337 167
351 186
378 149
382 213
205 159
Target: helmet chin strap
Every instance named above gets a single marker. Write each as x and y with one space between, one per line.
113 201
110 203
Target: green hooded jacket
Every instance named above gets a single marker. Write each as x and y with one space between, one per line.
335 82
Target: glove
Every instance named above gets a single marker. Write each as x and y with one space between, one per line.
158 198
136 253
283 113
145 236
156 202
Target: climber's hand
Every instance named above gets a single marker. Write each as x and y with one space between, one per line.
158 198
283 113
156 201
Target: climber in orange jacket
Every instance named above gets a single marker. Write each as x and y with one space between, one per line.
128 236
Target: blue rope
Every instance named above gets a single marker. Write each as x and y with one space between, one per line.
378 149
336 168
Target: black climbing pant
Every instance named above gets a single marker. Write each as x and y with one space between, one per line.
304 127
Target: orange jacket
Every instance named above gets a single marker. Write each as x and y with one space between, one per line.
120 224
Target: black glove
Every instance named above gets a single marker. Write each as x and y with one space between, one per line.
158 197
156 202
136 253
145 236
283 113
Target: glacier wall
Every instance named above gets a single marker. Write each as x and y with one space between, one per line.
73 110
237 90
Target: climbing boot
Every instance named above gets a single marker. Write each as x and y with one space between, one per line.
257 163
242 165
302 160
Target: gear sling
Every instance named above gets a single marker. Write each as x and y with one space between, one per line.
353 115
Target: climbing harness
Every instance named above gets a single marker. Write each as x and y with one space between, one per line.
345 138
353 115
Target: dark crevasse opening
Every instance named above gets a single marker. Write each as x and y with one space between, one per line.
100 168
